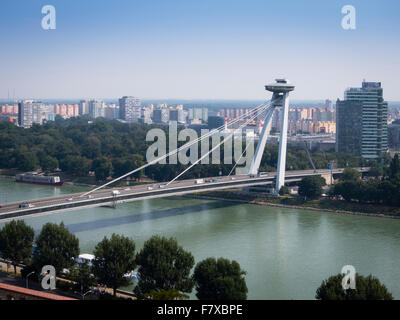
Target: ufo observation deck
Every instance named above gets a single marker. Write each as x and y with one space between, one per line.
280 86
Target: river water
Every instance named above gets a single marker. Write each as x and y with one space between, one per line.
286 252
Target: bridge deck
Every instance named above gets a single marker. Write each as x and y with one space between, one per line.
140 192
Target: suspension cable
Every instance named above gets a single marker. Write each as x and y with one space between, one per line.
185 146
217 146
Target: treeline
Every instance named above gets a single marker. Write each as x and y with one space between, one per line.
112 148
164 267
382 189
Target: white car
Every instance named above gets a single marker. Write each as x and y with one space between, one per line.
115 192
149 188
69 199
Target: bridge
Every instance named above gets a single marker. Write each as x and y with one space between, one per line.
102 196
111 197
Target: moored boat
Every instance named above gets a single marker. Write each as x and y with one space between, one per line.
36 178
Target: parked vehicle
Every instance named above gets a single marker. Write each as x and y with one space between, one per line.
199 181
263 174
149 188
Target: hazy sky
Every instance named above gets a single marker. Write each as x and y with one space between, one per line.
211 49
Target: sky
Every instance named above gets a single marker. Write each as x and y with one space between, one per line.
196 49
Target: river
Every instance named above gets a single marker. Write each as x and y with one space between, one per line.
286 252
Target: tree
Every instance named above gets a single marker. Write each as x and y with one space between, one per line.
56 246
16 240
102 168
114 258
394 168
163 265
311 186
75 165
375 170
220 280
350 174
284 190
349 190
367 288
167 295
49 163
83 276
27 161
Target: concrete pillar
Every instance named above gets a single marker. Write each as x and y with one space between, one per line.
280 177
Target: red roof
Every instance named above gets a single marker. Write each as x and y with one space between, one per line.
33 293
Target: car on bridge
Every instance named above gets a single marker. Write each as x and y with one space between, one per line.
115 192
26 205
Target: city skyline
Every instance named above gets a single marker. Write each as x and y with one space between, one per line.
191 50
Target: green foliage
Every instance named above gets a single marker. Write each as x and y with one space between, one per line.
220 280
394 168
55 246
284 190
126 164
48 163
367 288
75 143
311 186
163 265
16 239
83 276
114 258
379 191
27 161
102 168
375 171
75 165
166 295
350 174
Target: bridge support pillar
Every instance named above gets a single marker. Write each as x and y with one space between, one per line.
255 164
280 89
280 174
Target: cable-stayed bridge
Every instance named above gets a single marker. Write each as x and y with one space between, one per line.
102 195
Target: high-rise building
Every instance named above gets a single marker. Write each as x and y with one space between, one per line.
83 107
361 120
96 109
394 135
130 109
161 115
328 105
29 113
177 115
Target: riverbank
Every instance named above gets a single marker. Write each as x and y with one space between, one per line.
326 205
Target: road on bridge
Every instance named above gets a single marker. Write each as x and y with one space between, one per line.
139 192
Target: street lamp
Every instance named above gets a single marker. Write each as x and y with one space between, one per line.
30 273
83 294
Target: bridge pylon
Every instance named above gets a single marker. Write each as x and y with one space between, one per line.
280 97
